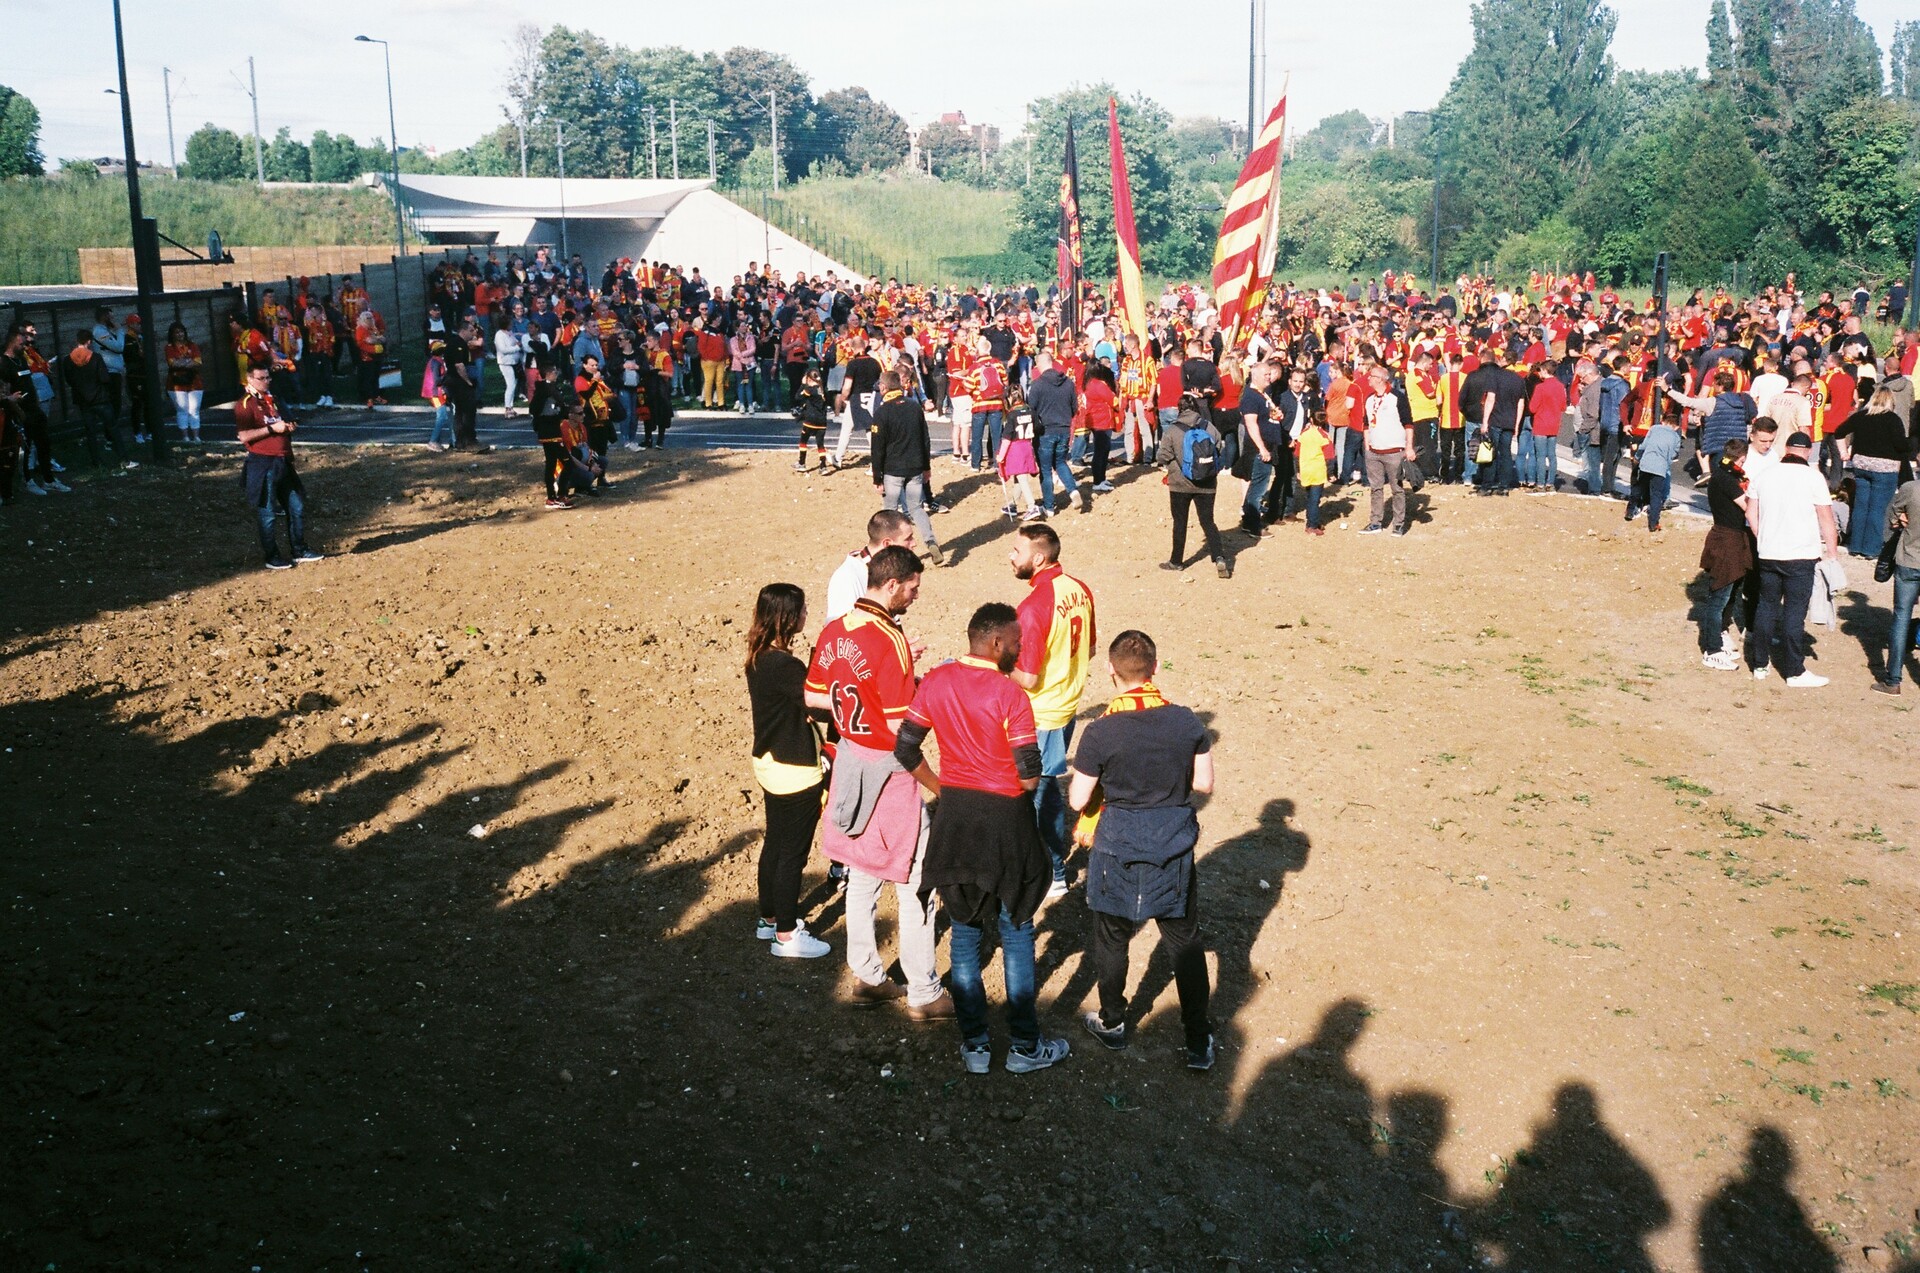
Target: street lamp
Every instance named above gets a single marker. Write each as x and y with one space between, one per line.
1433 136
393 139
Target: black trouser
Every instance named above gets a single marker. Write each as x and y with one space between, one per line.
795 371
783 854
1280 492
1202 505
466 412
1097 443
1781 614
564 474
9 456
1426 448
600 437
100 419
33 425
1181 937
1453 454
367 372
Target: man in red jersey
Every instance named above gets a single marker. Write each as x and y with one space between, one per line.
862 672
983 854
273 487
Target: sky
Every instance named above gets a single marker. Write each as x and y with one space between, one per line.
449 57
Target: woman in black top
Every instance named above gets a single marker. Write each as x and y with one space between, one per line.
1880 446
786 763
1726 558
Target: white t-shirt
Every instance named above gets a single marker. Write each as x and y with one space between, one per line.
1765 389
1758 462
1786 499
848 585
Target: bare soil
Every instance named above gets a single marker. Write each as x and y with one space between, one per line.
396 911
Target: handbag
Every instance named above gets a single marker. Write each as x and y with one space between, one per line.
390 374
1883 564
1483 452
1410 475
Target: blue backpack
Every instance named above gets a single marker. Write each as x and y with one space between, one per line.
1199 455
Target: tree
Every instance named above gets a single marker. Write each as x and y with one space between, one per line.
1906 60
1714 189
1866 197
747 77
1175 237
864 133
215 154
1522 119
287 159
1336 137
19 136
946 148
587 86
333 159
668 76
1720 63
524 69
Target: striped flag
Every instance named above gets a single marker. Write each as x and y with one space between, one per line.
1071 256
1133 295
1243 258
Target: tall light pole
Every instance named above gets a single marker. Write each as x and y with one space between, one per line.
1913 284
393 140
166 84
146 255
560 143
1433 138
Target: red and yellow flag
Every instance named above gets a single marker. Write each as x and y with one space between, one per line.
1243 257
1133 295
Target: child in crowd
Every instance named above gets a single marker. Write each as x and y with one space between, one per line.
433 387
812 411
1312 452
1016 459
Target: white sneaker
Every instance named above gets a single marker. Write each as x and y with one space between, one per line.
1807 681
1762 673
1720 661
1057 889
57 485
56 466
632 446
764 930
802 945
34 488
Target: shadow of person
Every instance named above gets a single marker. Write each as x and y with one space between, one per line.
1870 625
1754 1224
1233 909
1359 1192
1575 1198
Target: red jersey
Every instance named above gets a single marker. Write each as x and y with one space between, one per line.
862 664
980 717
1168 387
255 411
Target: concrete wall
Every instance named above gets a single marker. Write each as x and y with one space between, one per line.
718 235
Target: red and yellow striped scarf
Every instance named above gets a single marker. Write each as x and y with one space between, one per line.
1137 699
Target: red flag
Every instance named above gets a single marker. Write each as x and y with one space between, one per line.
1243 258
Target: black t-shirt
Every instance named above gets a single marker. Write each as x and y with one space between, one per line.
1257 404
1144 759
863 375
1724 488
1509 398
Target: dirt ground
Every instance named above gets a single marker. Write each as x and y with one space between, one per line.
395 912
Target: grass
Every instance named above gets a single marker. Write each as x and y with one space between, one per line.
48 218
915 228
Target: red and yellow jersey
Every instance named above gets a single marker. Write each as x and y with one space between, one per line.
353 300
959 367
862 664
989 382
1136 381
1056 644
1447 390
286 341
320 339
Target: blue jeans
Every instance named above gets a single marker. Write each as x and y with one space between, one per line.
442 424
1313 506
743 384
289 496
1353 455
970 996
1526 460
1658 484
1785 588
1169 415
1050 449
1715 617
1257 483
986 438
1504 475
1872 495
1469 469
1906 590
1546 462
769 394
630 423
1050 797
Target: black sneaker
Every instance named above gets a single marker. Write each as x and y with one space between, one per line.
1372 529
1114 1036
1222 567
1171 565
1201 1058
307 554
1399 530
279 563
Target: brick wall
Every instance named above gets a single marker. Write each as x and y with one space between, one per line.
113 267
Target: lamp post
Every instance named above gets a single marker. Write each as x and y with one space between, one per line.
146 257
393 140
1433 136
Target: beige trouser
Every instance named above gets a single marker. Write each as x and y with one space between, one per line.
916 929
